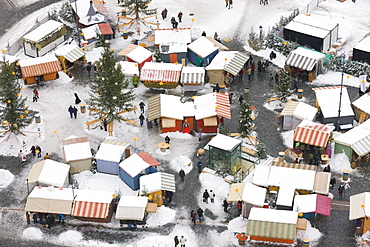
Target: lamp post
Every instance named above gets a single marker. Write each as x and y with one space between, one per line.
261 29
342 56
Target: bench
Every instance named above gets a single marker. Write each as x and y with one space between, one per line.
92 122
272 99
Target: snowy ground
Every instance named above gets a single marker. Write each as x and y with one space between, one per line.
210 16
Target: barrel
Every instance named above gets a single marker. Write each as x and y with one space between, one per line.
324 159
83 108
281 157
37 118
183 62
300 93
305 242
222 89
123 12
345 175
125 35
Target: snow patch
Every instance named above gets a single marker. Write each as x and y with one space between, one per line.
163 216
311 233
340 162
70 237
32 233
6 177
181 162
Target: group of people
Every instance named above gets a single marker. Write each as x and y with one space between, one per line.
229 3
180 241
72 109
211 195
174 22
193 216
47 219
35 150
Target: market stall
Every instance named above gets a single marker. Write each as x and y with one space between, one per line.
359 209
156 185
192 78
361 107
139 55
216 70
110 154
160 75
361 51
49 172
312 204
294 112
132 208
68 55
77 153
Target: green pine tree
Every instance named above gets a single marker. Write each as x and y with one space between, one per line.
66 13
14 115
253 40
245 119
283 88
261 150
108 90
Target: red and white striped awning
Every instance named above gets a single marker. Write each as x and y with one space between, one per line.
312 133
159 75
90 209
223 105
127 50
41 69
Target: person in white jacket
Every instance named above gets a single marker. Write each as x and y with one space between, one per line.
182 241
212 196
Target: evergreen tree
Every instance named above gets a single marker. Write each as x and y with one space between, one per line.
66 13
261 150
283 88
245 119
14 115
253 40
108 91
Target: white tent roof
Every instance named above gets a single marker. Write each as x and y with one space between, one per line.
139 54
111 150
253 194
131 208
43 30
202 47
363 103
286 194
305 111
272 215
328 100
261 175
37 60
352 136
324 23
235 192
192 74
91 31
171 107
359 206
70 52
364 44
306 29
77 151
305 203
93 196
134 165
205 106
224 142
53 173
170 36
156 182
129 68
220 61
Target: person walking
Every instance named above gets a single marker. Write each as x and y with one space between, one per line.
28 218
200 214
340 190
176 239
241 98
88 69
212 196
182 241
231 97
205 196
227 3
141 105
271 80
34 217
70 110
47 156
199 135
333 181
173 22
33 150
253 67
61 218
230 4
163 14
23 158
277 77
193 217
179 15
200 167
215 36
135 80
249 73
167 139
75 112
141 118
35 95
77 99
204 34
217 88
346 187
241 74
38 151
272 55
225 204
169 195
182 175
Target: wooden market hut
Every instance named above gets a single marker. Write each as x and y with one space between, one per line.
359 209
129 69
132 209
278 226
172 43
225 151
203 50
139 55
308 60
135 166
237 63
361 51
47 67
77 153
160 75
110 154
192 78
68 55
216 69
327 102
49 173
44 38
104 29
156 185
312 204
361 107
294 112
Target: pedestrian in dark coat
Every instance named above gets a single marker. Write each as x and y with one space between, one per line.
35 95
77 99
167 139
28 218
259 66
277 77
149 124
105 124
271 81
200 167
173 22
163 14
239 205
327 168
180 16
217 88
225 204
204 34
141 118
241 98
70 110
333 181
193 217
272 55
41 217
205 196
200 214
241 73
231 97
141 104
75 112
230 4
340 190
253 67
182 175
169 195
176 239
33 150
88 68
200 135
34 217
38 151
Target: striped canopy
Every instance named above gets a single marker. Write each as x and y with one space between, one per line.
160 75
237 63
300 61
271 229
312 133
223 105
90 209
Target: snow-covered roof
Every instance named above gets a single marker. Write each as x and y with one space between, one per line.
87 13
171 107
93 196
53 173
91 31
76 149
9 58
172 36
315 21
254 194
129 68
305 203
306 29
359 206
111 150
305 111
52 193
205 106
224 142
140 54
192 75
363 103
364 44
352 136
162 66
156 182
261 175
272 215
220 61
134 165
131 207
328 100
286 194
365 125
37 60
43 30
202 47
70 52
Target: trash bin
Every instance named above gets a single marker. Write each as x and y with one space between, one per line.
37 118
125 35
358 231
306 242
123 12
281 156
345 175
83 108
222 89
300 93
